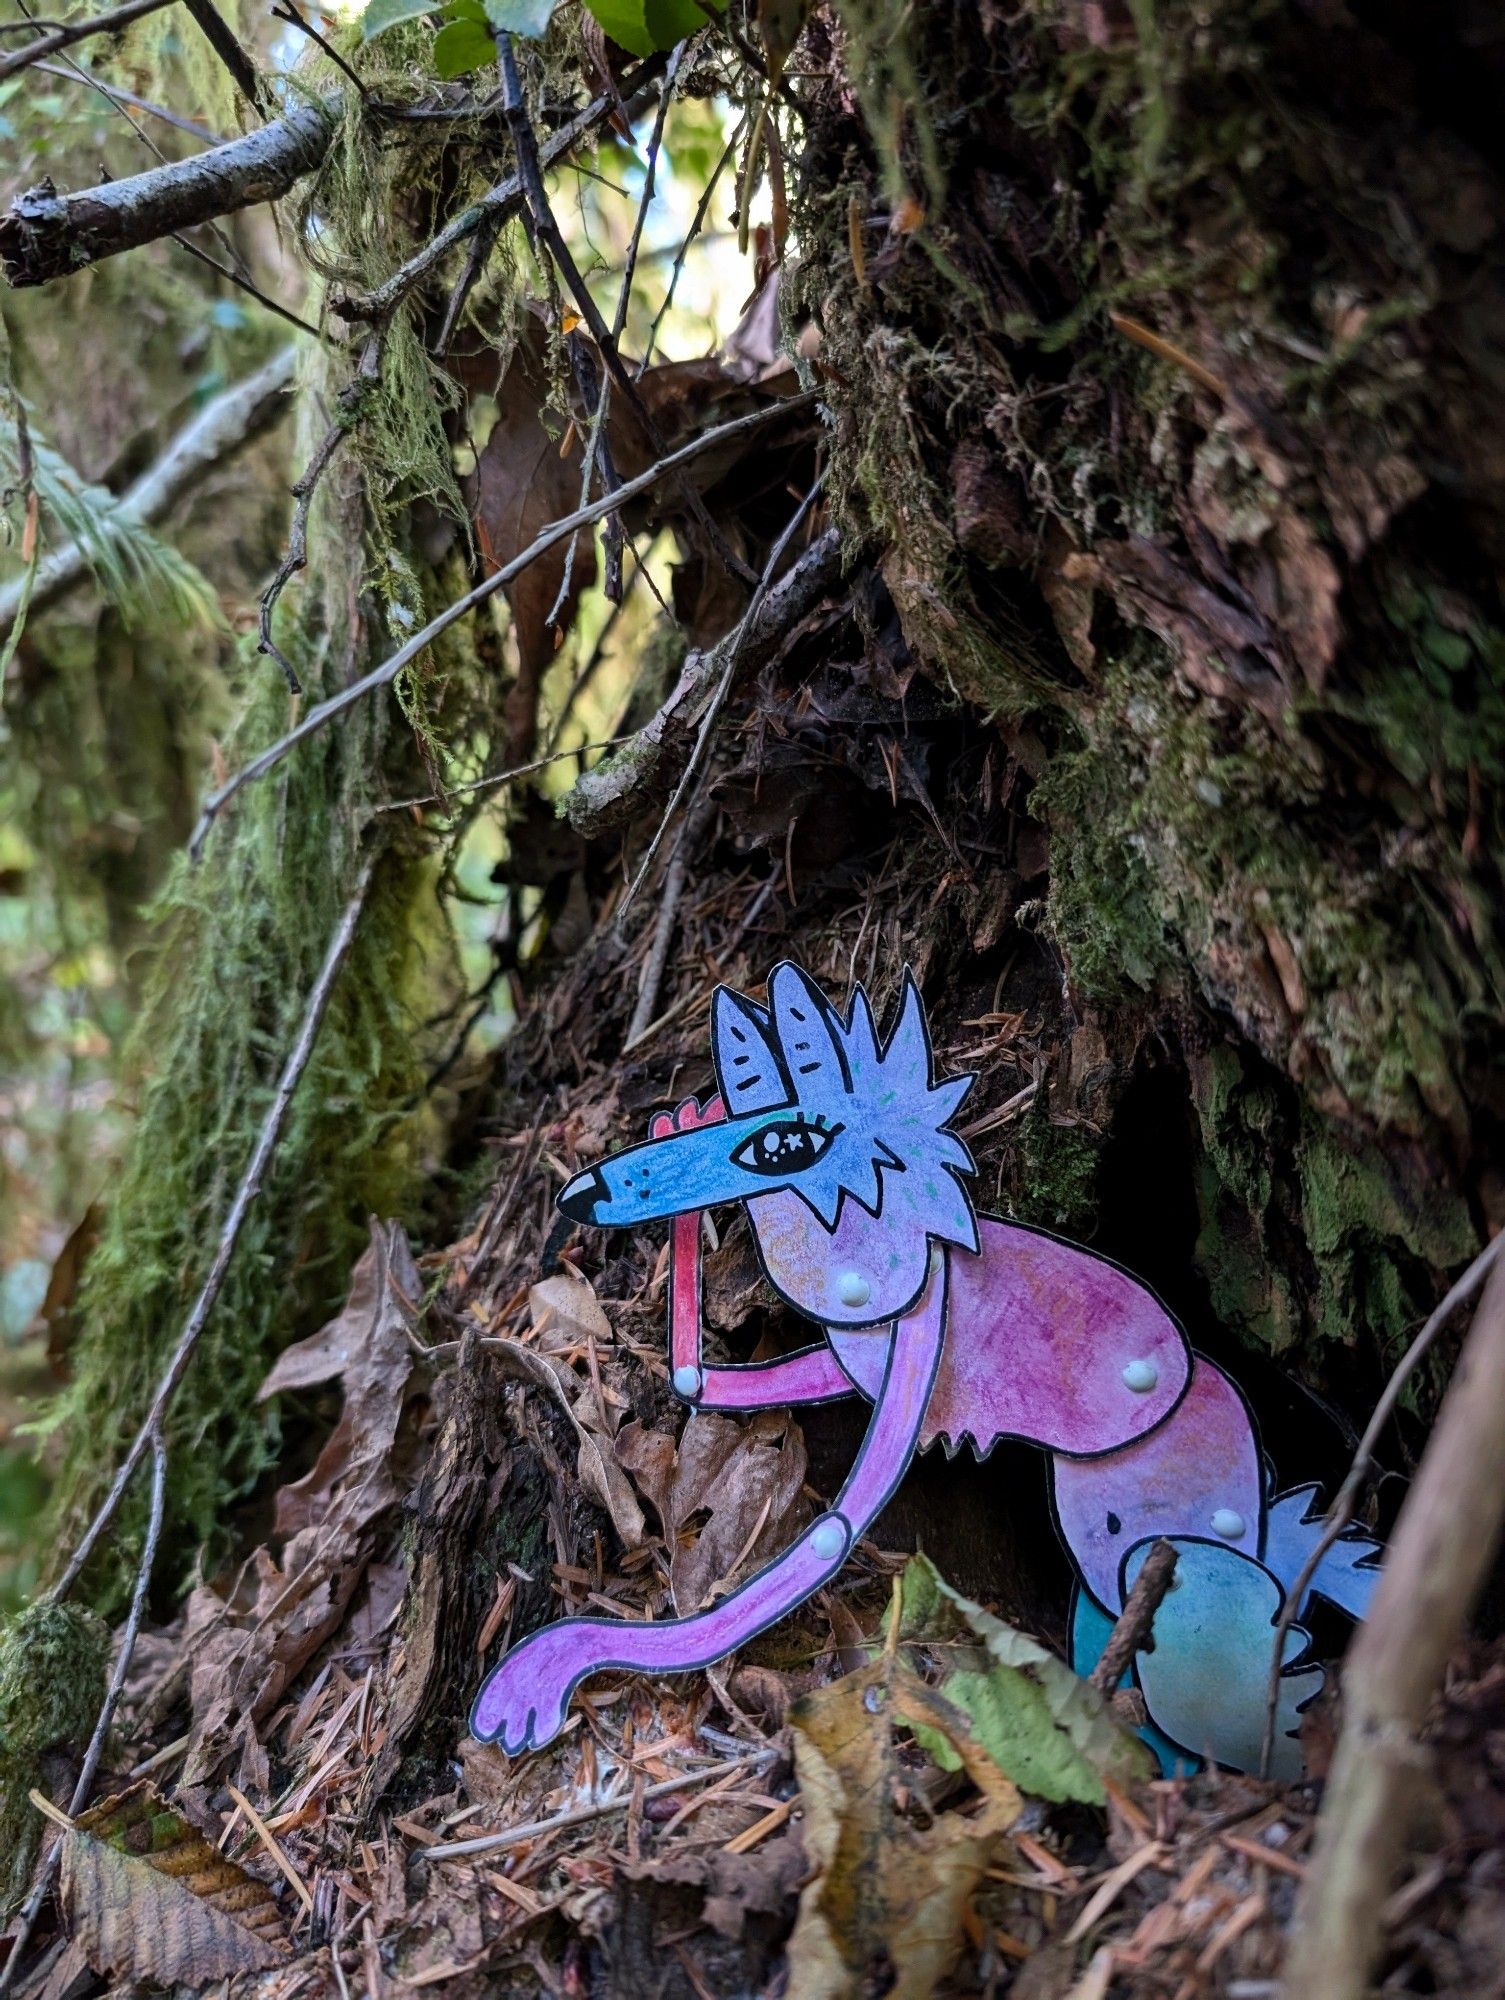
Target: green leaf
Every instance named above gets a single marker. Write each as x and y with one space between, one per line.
462 47
383 14
644 26
520 17
1044 1727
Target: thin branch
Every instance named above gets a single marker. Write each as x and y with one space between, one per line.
351 398
1131 1634
290 13
245 1194
1440 1555
645 1010
502 201
549 232
697 223
237 415
117 95
488 1843
387 672
1341 1513
723 688
496 778
144 1567
616 790
65 35
247 285
218 33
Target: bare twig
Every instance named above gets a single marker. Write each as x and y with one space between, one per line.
549 234
43 1883
614 533
499 202
218 33
68 32
382 676
488 1843
708 721
245 1194
295 18
646 1008
220 429
496 778
609 796
351 398
697 223
1131 1634
1440 1555
1346 1503
119 95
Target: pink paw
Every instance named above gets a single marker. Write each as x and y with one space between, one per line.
688 1116
523 1700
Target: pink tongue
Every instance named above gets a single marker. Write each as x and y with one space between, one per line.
1043 1342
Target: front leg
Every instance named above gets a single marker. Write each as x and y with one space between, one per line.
522 1703
811 1376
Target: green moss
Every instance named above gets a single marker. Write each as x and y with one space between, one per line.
1057 1173
1309 1231
1375 1234
1184 838
52 1685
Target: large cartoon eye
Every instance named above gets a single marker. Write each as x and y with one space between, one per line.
785 1148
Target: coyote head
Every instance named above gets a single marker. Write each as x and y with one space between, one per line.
836 1140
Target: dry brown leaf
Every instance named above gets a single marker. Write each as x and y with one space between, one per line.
565 1316
740 1484
521 483
886 1908
246 1647
147 1898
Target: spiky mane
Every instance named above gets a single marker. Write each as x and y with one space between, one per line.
893 1150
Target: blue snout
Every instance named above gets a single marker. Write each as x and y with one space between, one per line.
663 1177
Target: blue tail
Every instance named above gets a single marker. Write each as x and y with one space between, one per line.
1347 1574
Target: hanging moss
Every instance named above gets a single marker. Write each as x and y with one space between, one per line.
52 1684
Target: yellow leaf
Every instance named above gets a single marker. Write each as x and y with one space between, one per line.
887 1907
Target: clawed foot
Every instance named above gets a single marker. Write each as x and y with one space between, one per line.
523 1700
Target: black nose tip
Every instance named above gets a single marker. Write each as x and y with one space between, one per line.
580 1198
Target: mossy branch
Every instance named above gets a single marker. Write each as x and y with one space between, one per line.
49 235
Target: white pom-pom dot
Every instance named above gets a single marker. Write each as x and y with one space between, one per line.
686 1382
853 1289
1228 1523
1141 1376
828 1538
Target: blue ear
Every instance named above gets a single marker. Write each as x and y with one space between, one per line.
749 1068
808 1035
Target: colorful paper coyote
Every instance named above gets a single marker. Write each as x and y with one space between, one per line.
955 1327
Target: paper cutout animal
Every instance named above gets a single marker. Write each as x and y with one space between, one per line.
955 1327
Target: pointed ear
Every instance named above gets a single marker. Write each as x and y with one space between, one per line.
749 1068
908 1044
809 1035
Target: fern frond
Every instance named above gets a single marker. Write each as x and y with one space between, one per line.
143 576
